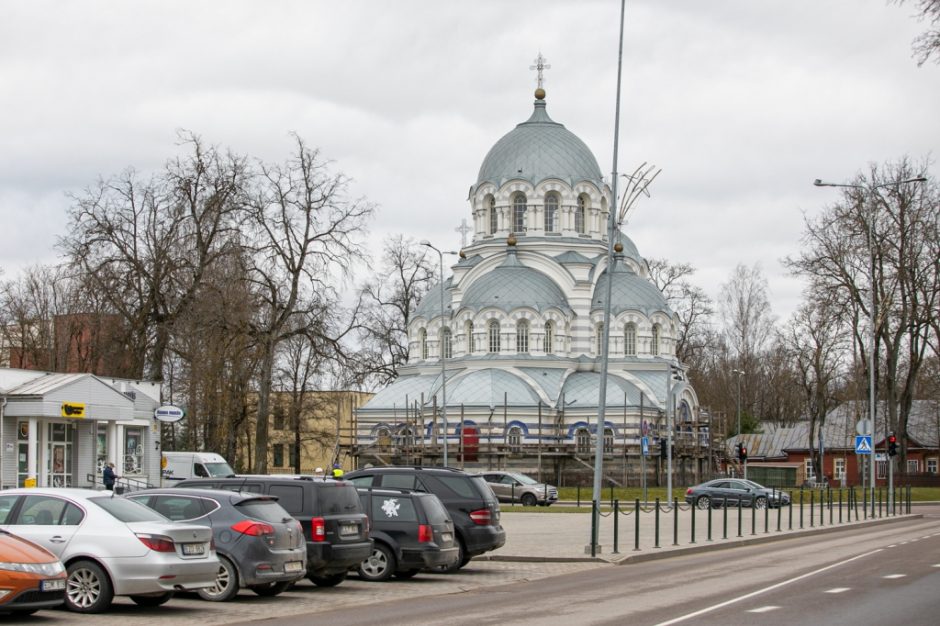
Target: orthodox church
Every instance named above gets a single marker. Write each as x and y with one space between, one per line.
511 363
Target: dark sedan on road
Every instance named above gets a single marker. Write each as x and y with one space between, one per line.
731 491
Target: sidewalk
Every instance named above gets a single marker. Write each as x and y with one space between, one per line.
562 537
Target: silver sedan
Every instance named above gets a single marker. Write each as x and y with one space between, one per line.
111 545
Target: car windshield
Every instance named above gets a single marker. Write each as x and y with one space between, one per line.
525 480
219 470
127 510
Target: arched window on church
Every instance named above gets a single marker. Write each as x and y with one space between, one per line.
522 336
471 342
582 441
654 344
579 214
599 339
551 212
493 216
423 338
629 339
518 213
447 345
608 441
549 338
493 336
514 439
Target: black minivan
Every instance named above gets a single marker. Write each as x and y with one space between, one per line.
470 502
329 511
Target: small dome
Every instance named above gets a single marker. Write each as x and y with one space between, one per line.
629 292
513 285
538 149
430 305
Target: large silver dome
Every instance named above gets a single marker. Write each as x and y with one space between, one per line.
513 285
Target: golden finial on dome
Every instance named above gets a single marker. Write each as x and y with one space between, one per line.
462 254
618 247
539 94
511 240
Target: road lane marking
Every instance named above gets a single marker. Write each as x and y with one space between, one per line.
721 605
895 576
838 589
764 609
893 545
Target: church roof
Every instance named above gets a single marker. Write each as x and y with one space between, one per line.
491 387
629 292
430 305
539 149
513 285
582 389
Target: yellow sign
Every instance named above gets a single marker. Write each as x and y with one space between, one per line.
73 409
29 482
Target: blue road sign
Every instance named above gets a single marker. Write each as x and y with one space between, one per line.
863 444
646 446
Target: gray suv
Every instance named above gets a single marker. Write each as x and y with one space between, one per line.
260 546
516 487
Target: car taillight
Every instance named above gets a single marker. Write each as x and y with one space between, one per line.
425 534
365 526
255 529
318 529
157 543
688 491
483 517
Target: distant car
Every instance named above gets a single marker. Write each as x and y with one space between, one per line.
111 545
412 531
336 528
730 491
31 577
517 487
260 546
470 503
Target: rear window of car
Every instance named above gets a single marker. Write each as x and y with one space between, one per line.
291 497
127 511
393 509
338 498
434 509
466 486
264 510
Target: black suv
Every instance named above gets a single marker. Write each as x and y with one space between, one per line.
411 530
329 511
470 502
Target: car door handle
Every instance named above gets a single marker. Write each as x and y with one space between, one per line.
57 539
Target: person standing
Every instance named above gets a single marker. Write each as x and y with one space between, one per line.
108 477
337 471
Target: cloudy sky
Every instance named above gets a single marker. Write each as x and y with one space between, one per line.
741 103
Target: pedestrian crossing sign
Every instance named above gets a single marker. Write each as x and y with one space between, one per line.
863 444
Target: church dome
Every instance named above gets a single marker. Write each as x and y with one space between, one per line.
430 305
629 292
513 285
538 149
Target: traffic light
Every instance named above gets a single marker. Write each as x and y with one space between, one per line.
743 452
892 445
663 449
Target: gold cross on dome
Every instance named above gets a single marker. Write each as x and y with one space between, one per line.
541 66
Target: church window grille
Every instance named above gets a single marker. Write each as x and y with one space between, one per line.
447 345
608 441
654 345
582 441
599 339
423 338
493 215
518 213
551 213
493 332
471 343
549 338
579 214
629 340
522 336
514 439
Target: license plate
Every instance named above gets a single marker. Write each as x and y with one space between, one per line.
446 537
293 566
348 529
56 584
192 549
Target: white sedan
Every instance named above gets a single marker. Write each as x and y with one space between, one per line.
111 545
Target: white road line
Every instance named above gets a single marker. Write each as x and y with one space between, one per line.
838 589
895 576
937 565
893 545
764 609
764 590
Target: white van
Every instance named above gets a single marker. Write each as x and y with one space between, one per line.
179 466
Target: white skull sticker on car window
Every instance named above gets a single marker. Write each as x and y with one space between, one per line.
390 507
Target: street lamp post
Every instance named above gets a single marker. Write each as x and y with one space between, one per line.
738 374
872 191
440 342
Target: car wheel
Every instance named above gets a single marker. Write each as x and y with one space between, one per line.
703 502
156 600
760 502
379 566
269 590
529 499
406 573
226 583
330 580
88 589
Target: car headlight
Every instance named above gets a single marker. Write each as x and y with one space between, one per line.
46 569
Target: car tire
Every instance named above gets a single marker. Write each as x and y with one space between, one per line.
703 502
378 566
156 600
269 590
226 583
529 499
329 580
760 502
88 588
405 574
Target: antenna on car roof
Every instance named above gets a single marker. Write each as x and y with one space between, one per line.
241 487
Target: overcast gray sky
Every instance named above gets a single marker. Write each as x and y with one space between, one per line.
741 103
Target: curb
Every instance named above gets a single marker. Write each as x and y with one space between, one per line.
721 544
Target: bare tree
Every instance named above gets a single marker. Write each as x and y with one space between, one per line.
927 43
692 306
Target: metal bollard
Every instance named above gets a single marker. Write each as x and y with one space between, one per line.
710 521
829 493
611 494
779 514
790 513
879 503
767 517
840 505
812 508
675 521
801 509
656 545
739 517
724 509
616 525
692 510
754 519
578 494
636 531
